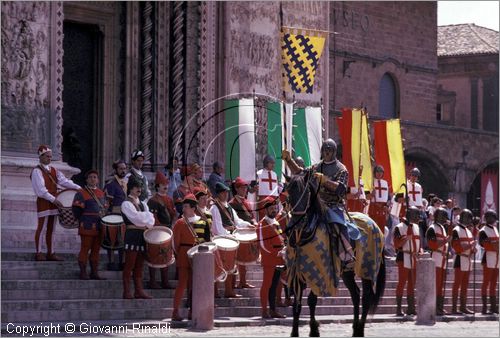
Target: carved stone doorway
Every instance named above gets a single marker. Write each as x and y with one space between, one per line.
82 63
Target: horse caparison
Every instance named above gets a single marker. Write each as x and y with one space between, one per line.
308 215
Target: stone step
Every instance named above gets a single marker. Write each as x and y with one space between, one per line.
164 313
33 290
118 303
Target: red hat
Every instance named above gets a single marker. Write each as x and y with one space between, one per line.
160 178
239 182
190 198
199 191
268 201
42 149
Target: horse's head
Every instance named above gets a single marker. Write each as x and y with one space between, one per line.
303 192
299 193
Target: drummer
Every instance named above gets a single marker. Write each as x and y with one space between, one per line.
137 218
202 210
116 192
188 231
226 220
45 179
162 206
89 205
242 207
271 242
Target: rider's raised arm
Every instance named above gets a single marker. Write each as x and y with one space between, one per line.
292 165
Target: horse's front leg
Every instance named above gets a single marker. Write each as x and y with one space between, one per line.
312 300
297 307
350 284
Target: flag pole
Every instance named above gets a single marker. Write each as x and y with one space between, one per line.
284 127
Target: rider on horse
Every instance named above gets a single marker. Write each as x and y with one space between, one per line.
332 176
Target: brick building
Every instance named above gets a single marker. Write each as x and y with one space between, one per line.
96 80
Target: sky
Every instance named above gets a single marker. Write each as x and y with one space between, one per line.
481 13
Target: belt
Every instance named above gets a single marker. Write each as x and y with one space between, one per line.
441 252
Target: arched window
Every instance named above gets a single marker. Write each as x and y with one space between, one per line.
388 97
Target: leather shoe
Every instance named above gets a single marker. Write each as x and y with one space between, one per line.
276 314
233 295
176 317
54 257
40 257
246 286
266 315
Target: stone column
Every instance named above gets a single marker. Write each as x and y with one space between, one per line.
426 290
203 289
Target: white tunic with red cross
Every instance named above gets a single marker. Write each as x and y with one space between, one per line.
380 191
415 194
268 183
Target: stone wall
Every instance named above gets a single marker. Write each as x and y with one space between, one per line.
378 37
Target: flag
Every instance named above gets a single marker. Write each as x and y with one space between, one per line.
389 152
277 137
300 56
489 190
307 134
239 139
353 129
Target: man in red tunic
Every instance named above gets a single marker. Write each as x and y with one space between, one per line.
244 211
271 242
189 230
488 239
45 179
162 207
380 198
89 205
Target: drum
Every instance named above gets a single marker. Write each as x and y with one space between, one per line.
66 217
248 251
220 274
114 232
228 248
159 252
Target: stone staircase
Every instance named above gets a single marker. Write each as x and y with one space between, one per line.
34 292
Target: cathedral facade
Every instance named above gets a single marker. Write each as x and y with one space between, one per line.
96 80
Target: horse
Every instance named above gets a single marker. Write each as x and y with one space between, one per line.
312 255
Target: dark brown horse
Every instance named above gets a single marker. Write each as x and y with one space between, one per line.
313 245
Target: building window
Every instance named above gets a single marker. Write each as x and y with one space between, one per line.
388 97
439 112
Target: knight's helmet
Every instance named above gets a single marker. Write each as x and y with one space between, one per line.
415 172
329 144
440 216
466 217
413 214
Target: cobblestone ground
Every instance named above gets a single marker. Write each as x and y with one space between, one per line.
402 329
406 329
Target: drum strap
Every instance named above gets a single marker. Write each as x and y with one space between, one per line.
92 194
243 206
191 229
224 210
54 180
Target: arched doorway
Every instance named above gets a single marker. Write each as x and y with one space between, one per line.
483 189
432 177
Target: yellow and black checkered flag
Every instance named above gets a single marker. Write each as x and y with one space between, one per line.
300 54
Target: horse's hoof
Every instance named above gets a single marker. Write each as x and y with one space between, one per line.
295 333
314 329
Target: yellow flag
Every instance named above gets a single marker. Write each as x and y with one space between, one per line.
300 56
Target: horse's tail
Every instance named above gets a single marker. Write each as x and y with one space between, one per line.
380 287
